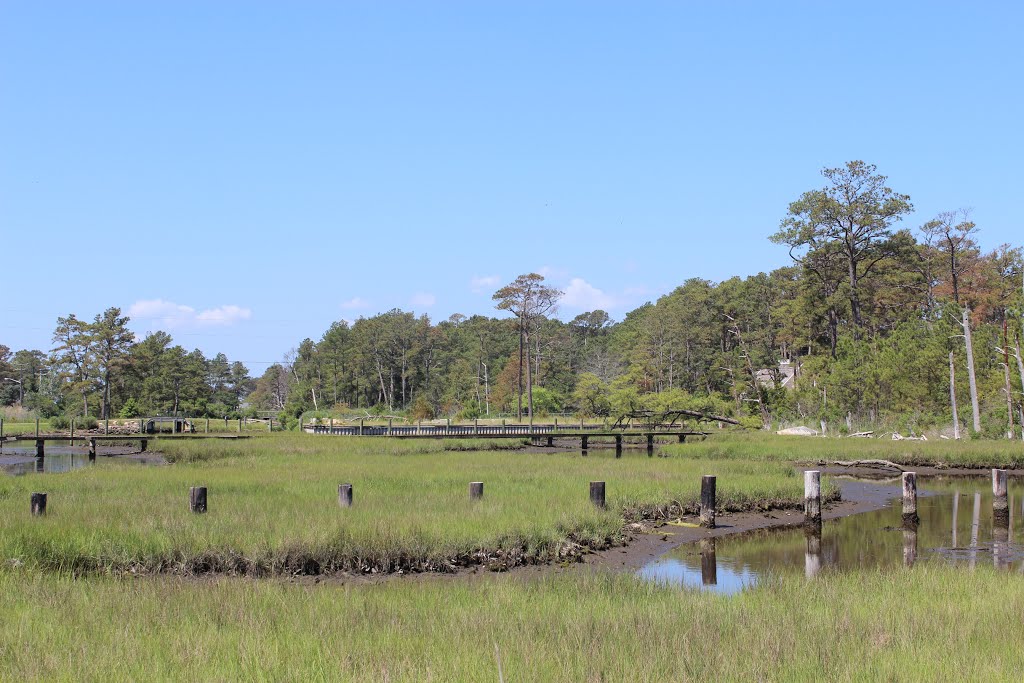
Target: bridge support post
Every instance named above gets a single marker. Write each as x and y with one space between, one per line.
38 501
143 444
345 495
650 445
584 441
390 426
476 490
618 445
707 501
197 499
551 441
597 493
40 448
682 438
361 422
92 450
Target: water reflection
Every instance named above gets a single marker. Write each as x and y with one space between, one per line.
864 541
53 463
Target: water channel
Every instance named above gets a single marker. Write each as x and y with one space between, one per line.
956 527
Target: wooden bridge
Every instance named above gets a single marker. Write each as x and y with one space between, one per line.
537 432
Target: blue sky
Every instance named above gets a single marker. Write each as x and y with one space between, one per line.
243 173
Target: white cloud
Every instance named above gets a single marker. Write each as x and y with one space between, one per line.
423 299
582 295
171 315
553 272
484 283
355 303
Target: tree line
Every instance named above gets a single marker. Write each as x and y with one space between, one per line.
99 369
867 328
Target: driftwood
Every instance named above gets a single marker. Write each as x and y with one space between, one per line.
899 437
880 464
862 434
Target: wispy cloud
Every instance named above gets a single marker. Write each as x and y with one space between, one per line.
173 315
423 299
484 284
355 303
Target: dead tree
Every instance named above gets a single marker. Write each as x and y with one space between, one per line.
971 376
952 397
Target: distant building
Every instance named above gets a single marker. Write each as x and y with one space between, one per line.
786 375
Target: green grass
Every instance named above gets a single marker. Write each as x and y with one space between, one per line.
932 623
273 506
760 446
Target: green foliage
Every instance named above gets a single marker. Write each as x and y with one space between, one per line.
130 408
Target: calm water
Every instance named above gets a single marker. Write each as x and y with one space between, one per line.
956 527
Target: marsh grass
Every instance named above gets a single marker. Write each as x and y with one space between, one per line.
273 506
759 446
930 623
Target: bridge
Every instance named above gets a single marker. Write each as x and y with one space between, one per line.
535 432
92 439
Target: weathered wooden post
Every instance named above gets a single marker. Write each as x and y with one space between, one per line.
708 562
38 504
476 426
1 428
345 495
270 425
910 517
682 438
72 442
1000 507
207 425
650 445
551 441
197 499
142 428
92 450
707 501
503 430
239 425
360 426
597 493
37 427
584 441
812 497
330 425
143 443
476 490
618 445
106 427
300 424
40 448
390 426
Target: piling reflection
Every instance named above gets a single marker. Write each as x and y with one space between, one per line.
869 540
812 551
909 546
708 563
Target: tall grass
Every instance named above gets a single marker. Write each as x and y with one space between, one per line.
759 446
273 506
933 623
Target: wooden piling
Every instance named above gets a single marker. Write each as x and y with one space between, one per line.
682 438
1000 506
597 493
92 450
345 495
650 445
270 425
143 444
584 442
37 426
197 499
812 497
40 448
106 427
707 501
910 518
551 441
618 445
239 425
207 425
476 490
38 504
